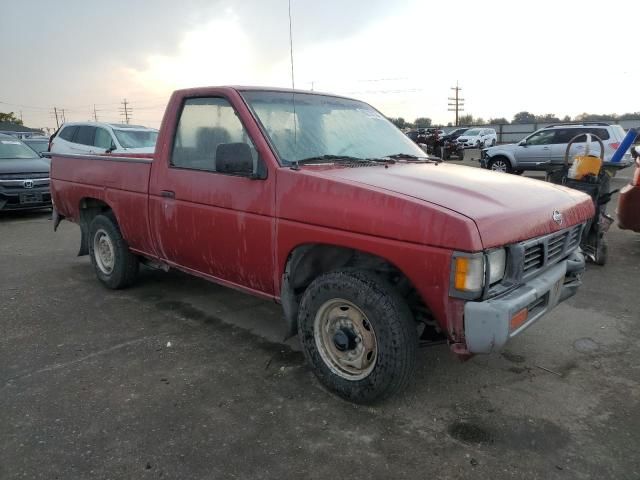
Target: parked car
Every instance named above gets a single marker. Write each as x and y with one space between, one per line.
628 211
98 138
39 144
24 176
478 138
547 146
368 244
454 134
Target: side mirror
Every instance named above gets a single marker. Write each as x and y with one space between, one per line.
523 143
111 148
236 159
45 154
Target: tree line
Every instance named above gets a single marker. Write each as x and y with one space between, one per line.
10 117
520 117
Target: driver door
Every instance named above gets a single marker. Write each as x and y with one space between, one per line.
535 150
205 219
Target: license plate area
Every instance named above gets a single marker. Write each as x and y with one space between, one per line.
29 198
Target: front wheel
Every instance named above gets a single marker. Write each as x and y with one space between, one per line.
499 164
358 334
116 267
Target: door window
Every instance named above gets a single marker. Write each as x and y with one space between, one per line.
205 124
545 137
67 133
102 138
85 135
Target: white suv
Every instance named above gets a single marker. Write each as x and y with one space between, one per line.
547 146
478 138
97 138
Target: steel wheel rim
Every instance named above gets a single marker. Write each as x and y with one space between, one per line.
103 251
339 324
499 166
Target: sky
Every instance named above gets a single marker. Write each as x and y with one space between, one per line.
401 56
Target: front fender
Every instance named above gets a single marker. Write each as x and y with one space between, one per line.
498 152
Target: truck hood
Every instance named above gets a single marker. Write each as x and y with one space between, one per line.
20 165
505 208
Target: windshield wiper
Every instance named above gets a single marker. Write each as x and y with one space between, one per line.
338 158
409 157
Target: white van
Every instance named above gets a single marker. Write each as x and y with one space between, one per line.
478 138
91 138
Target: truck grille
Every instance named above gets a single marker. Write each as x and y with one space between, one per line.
550 249
22 176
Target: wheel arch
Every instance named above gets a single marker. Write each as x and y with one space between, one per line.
89 208
506 156
308 261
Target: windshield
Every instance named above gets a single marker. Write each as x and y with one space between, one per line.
472 133
15 149
326 125
38 145
136 138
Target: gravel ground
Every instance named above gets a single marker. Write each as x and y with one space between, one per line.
179 378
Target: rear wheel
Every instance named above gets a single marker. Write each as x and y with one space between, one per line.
116 267
358 334
499 164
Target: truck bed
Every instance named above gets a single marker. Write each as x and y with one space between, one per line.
121 182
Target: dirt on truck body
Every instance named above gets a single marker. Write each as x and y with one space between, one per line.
319 203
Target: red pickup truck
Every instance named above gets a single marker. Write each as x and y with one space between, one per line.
321 204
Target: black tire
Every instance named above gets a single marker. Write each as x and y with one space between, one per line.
496 162
104 231
385 314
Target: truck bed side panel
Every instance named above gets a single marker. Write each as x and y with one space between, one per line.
119 182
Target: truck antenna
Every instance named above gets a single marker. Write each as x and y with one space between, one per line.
293 86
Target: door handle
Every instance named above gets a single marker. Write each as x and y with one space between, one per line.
167 194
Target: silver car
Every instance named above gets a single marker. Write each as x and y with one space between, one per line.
547 147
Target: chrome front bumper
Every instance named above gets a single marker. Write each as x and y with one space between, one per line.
487 324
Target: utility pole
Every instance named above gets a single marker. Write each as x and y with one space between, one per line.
55 112
95 114
125 111
21 117
458 103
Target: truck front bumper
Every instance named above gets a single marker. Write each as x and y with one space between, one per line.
489 324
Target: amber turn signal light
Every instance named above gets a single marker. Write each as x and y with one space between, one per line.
518 319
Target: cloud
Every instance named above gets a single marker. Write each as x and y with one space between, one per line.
219 52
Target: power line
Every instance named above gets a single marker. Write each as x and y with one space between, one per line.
458 105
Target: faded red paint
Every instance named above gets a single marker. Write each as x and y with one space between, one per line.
240 232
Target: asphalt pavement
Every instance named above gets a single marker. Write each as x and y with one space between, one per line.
182 379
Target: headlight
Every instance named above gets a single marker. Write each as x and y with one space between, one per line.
469 271
496 262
